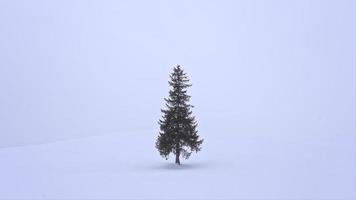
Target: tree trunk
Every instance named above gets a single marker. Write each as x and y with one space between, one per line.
177 157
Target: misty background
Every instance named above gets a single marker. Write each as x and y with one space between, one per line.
269 69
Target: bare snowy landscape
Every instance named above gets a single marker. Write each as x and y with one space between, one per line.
83 82
235 166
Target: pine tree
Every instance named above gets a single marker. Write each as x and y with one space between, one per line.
178 134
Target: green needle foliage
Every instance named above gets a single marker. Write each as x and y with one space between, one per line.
178 134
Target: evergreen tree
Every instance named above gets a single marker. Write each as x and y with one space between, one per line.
178 134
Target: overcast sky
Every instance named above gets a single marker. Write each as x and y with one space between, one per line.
281 69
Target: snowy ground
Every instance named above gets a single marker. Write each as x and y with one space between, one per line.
128 166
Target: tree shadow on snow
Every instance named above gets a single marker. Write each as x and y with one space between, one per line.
188 166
